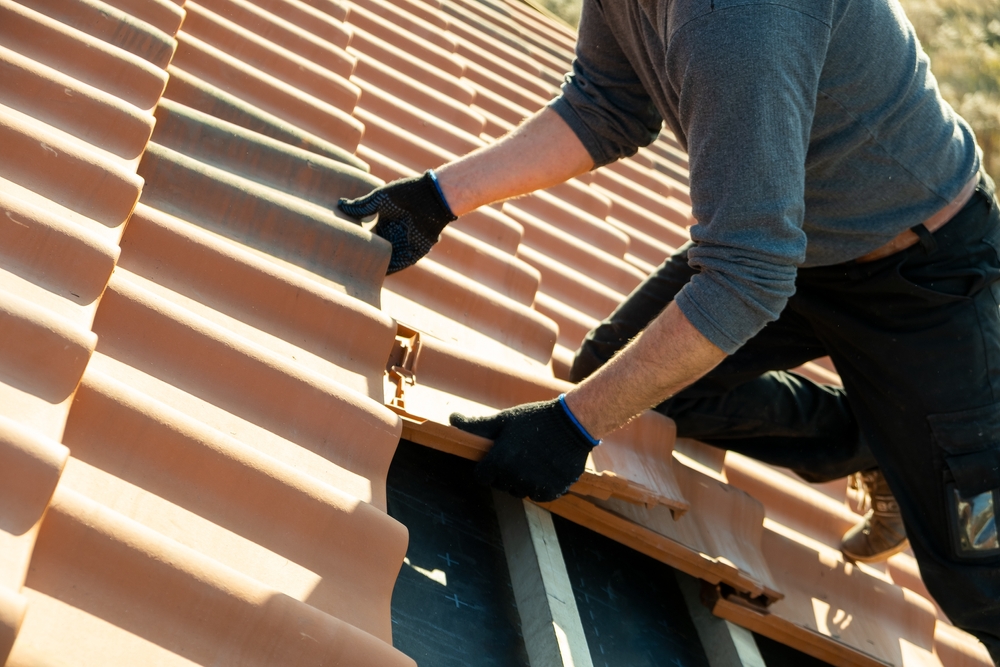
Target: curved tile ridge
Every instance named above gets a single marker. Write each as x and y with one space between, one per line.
262 300
121 594
30 467
496 20
527 15
370 47
836 611
482 262
71 173
434 379
109 24
568 217
295 38
41 353
270 58
399 144
87 113
367 25
427 26
213 493
421 122
267 92
493 227
573 327
163 14
328 25
371 72
189 90
209 370
34 237
450 293
573 288
565 248
295 171
12 609
477 41
717 540
956 648
80 56
267 220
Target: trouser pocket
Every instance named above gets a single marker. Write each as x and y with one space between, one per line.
970 445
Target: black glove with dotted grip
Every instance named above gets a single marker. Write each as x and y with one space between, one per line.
411 215
537 450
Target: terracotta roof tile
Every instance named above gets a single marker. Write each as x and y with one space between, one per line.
196 93
240 346
281 31
112 26
80 56
163 14
268 92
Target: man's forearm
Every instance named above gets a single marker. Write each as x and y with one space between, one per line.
668 356
542 152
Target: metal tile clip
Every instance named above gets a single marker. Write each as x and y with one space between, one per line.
402 364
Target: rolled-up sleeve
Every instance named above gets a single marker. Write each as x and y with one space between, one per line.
746 80
603 100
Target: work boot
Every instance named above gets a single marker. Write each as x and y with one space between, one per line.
881 533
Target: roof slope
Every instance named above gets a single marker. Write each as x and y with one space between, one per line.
195 414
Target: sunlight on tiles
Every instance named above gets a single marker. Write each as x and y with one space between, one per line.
192 530
434 575
831 626
915 656
90 640
827 555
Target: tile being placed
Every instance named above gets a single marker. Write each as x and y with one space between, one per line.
428 379
719 538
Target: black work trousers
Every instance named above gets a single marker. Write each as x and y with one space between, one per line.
915 338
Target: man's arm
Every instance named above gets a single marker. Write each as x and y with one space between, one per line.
540 449
543 151
667 356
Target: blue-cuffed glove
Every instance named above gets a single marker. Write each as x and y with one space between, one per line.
411 214
539 449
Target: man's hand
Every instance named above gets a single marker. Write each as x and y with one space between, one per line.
411 214
538 451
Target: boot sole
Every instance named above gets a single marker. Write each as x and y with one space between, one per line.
880 556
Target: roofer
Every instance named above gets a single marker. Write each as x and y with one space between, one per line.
840 209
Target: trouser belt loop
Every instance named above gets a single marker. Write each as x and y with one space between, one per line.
927 240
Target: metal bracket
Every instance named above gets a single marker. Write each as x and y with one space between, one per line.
402 365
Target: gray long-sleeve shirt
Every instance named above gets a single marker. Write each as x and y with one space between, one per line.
814 128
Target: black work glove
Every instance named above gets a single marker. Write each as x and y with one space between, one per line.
538 451
411 214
